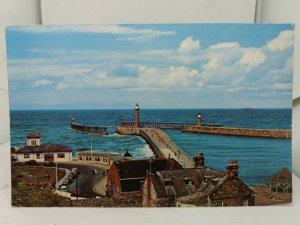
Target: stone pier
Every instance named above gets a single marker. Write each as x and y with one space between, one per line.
160 143
246 132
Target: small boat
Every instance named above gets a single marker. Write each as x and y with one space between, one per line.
88 128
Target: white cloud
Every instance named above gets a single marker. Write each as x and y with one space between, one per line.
253 57
212 63
225 45
283 86
62 86
284 40
134 34
188 45
159 52
41 83
238 89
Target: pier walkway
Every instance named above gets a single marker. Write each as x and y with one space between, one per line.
160 143
165 125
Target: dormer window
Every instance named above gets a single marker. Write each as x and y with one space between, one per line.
188 180
168 182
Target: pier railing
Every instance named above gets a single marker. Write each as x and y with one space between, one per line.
165 125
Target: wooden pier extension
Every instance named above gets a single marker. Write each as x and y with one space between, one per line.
160 143
246 132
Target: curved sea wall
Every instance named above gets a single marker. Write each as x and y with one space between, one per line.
262 133
160 143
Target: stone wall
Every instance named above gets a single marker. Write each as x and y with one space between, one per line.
264 133
124 130
132 201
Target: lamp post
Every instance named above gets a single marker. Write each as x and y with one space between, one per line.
56 176
91 151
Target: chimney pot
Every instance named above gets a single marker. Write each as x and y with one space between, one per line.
232 169
199 160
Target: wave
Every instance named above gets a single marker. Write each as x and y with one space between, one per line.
145 151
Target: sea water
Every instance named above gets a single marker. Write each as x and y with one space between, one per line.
258 158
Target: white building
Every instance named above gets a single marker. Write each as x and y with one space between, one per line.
34 150
103 158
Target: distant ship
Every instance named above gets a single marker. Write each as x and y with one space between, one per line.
88 128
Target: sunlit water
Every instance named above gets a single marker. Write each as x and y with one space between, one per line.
258 158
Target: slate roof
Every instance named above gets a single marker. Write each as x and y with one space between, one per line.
282 176
192 186
188 181
44 148
33 135
138 168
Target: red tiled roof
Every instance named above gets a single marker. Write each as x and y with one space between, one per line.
33 135
44 148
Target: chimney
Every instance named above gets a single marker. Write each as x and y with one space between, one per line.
232 169
199 160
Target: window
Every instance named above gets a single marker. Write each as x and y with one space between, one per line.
80 157
33 142
60 155
188 180
219 203
26 156
168 182
104 159
245 202
38 156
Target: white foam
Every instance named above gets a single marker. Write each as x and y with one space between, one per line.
146 151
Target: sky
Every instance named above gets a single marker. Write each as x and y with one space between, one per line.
166 66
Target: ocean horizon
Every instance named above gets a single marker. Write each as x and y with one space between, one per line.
258 158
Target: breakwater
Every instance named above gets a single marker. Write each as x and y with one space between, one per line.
160 143
262 133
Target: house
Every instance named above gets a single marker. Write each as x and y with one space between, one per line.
34 150
101 158
199 186
281 182
13 154
127 177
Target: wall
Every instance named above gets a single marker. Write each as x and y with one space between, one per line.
241 132
37 141
113 179
68 157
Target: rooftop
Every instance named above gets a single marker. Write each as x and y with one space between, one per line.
33 135
138 168
282 176
192 186
44 148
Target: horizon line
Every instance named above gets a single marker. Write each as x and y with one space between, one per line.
56 109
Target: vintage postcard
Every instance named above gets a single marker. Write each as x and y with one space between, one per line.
148 115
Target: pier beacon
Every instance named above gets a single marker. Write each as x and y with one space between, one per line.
199 120
137 116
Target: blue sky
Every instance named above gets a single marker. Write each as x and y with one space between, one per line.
158 66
